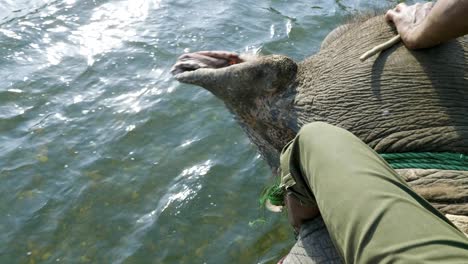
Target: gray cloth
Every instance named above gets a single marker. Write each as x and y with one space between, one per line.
313 246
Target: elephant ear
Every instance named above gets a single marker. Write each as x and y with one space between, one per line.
335 34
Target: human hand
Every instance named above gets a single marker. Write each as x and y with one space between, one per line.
407 20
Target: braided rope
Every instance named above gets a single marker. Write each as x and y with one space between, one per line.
427 160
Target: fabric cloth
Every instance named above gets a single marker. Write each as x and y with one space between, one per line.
313 246
370 212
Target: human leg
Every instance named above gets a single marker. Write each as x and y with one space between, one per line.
372 215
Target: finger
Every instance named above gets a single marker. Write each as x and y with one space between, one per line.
400 6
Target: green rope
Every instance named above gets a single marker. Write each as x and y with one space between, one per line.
407 160
425 155
427 160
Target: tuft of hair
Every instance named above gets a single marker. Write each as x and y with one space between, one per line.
358 18
350 22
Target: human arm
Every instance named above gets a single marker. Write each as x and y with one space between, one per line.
426 25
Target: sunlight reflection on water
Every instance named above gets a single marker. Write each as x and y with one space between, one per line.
183 188
111 25
107 158
129 102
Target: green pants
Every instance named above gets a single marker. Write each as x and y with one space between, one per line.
370 212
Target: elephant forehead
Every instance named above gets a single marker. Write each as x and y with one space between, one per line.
391 98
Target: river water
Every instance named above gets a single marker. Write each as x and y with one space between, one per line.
104 158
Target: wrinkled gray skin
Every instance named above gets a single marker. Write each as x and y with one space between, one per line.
398 101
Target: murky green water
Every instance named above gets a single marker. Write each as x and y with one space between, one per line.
104 158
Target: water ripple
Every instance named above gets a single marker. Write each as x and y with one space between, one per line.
105 158
183 189
110 25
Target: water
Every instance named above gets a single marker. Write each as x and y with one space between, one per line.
104 158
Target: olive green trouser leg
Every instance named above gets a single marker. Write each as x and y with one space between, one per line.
372 215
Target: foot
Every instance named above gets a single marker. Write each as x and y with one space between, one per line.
298 213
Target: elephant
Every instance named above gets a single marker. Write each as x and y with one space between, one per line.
399 101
